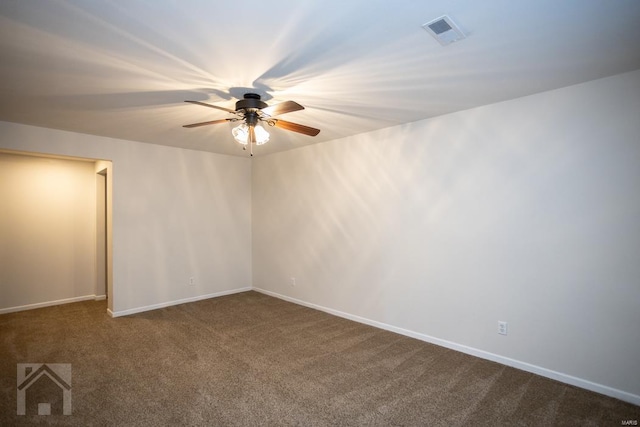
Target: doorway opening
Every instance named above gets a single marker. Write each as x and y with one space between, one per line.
59 230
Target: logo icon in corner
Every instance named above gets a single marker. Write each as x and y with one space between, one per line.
44 388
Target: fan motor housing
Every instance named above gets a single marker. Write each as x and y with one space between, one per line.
250 102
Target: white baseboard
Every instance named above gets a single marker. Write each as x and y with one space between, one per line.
538 370
100 297
49 303
176 302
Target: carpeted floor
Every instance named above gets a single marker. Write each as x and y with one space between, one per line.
249 359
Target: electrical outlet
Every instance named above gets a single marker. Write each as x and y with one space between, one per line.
192 281
293 281
502 327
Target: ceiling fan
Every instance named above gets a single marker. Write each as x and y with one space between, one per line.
251 110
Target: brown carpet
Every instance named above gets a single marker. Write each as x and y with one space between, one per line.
250 359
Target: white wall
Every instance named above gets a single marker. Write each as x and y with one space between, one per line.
47 232
176 214
525 211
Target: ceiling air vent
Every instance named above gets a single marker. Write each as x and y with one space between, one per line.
444 30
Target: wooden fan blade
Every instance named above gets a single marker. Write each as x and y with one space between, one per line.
252 134
213 122
296 127
282 108
204 104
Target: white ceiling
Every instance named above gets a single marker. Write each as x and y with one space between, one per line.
122 68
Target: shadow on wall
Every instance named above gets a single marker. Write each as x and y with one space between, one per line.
520 211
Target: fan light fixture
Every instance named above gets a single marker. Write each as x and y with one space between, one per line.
241 134
251 110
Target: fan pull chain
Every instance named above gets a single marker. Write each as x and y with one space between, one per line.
250 149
